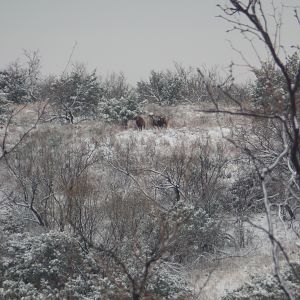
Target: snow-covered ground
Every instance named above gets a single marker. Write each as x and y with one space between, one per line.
212 277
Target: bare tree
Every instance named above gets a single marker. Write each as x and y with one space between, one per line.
276 157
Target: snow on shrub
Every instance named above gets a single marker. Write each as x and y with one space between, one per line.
50 266
120 110
268 288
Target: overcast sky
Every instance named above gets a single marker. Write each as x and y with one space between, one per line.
133 36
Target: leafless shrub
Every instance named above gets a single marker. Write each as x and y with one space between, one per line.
50 179
189 173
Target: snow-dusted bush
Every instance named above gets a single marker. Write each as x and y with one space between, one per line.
162 88
199 235
20 82
123 231
53 266
119 102
268 288
11 222
187 85
243 190
269 88
118 110
134 248
50 265
170 281
75 95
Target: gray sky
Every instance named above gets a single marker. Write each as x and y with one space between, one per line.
133 36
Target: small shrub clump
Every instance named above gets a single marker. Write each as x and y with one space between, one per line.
48 266
268 287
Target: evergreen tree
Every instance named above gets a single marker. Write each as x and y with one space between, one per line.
76 95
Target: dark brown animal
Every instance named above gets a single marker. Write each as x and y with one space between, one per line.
159 121
140 122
